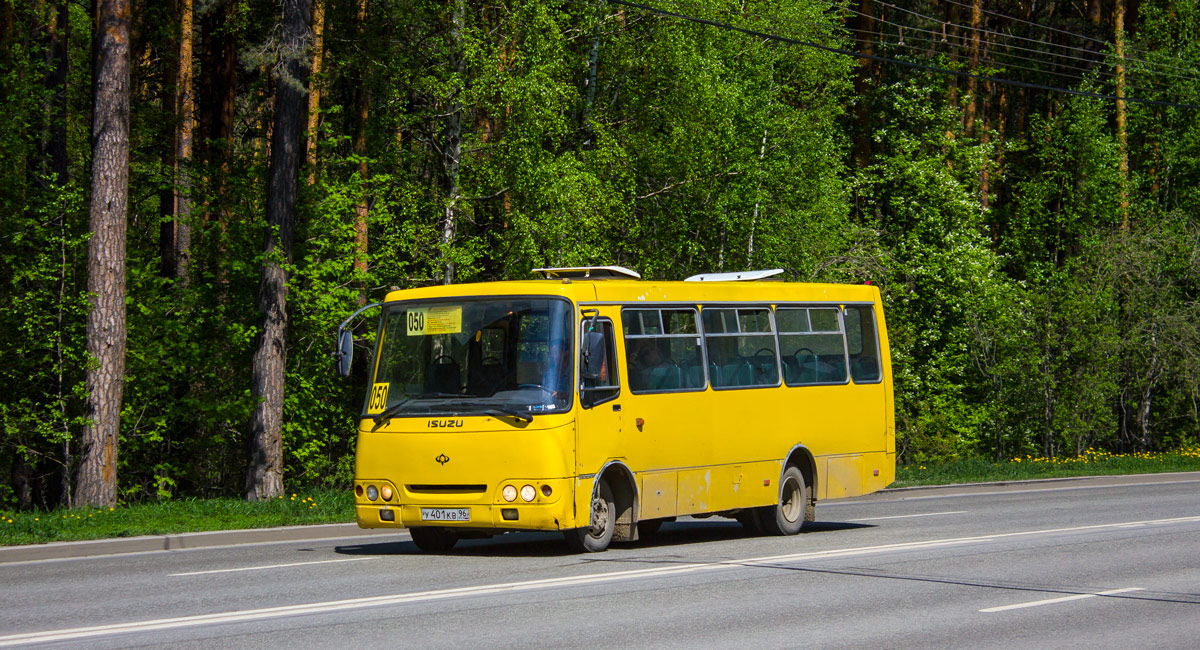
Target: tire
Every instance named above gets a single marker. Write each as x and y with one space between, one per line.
433 539
787 516
596 537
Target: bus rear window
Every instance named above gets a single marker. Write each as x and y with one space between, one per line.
863 344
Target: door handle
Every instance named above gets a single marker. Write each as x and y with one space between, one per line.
616 407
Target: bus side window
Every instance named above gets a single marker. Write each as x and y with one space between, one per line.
812 346
605 387
740 345
863 344
662 350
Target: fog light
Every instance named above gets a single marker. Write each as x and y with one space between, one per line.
528 493
372 492
387 515
546 490
510 493
509 514
386 492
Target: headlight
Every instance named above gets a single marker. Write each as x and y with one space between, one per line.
528 493
510 493
386 492
372 492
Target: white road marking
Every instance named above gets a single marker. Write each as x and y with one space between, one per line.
1064 599
240 616
886 496
269 566
923 514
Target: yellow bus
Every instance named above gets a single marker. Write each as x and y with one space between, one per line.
591 402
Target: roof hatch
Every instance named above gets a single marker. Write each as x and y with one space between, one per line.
589 273
739 276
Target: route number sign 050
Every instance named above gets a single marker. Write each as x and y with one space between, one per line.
424 321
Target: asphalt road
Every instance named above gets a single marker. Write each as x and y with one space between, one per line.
1112 563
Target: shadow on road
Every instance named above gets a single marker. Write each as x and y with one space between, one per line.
537 544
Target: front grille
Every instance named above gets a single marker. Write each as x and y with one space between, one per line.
449 488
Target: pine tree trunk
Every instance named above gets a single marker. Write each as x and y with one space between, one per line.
1122 136
972 82
314 92
216 96
106 332
452 145
362 101
186 102
56 83
264 479
865 42
169 96
951 37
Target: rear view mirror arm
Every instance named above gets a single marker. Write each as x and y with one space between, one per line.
343 354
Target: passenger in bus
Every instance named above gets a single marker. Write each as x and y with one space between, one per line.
650 370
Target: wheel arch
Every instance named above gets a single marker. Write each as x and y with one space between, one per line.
623 484
801 457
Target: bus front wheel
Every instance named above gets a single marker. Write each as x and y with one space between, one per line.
597 535
787 516
433 539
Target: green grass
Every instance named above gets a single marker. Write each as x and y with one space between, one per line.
175 516
1090 463
337 506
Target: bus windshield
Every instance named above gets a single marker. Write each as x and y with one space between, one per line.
473 357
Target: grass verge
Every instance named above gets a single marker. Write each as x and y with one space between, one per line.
175 516
1090 463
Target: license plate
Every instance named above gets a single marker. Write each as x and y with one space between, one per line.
445 514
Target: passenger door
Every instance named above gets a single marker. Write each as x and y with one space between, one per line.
598 434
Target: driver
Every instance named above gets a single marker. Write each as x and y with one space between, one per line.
558 373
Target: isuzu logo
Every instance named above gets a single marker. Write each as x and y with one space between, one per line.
442 459
442 424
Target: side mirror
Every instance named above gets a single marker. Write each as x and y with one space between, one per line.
345 352
595 356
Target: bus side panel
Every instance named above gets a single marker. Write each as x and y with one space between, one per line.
658 495
843 476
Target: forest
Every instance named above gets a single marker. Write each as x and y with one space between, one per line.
196 192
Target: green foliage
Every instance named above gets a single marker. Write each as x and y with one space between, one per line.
1091 462
1039 317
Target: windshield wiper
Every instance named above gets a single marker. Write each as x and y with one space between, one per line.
385 416
523 417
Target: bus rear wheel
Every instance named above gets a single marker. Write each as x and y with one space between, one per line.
433 539
597 535
787 516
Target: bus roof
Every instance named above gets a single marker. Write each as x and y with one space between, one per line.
612 291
